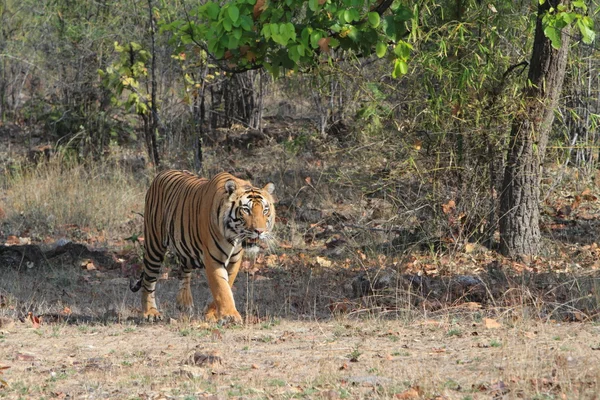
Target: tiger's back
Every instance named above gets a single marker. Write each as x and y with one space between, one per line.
169 201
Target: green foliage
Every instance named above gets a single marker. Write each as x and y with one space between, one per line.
292 34
125 75
555 19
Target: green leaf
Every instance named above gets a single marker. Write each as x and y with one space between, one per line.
274 29
233 12
237 33
353 33
553 34
288 30
313 5
227 25
396 71
381 49
233 42
266 31
587 34
212 10
568 17
348 16
402 50
300 49
293 54
400 68
305 35
403 14
246 23
374 19
314 39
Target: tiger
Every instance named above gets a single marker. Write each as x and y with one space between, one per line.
206 223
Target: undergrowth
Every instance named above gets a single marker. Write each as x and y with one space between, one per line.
58 197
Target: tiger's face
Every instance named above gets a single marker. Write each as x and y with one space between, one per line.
252 214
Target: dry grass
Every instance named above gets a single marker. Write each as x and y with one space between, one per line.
53 198
445 358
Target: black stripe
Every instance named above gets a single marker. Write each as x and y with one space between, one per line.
216 259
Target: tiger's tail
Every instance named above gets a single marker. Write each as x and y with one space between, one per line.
135 286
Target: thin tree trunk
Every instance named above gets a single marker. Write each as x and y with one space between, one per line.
519 203
153 125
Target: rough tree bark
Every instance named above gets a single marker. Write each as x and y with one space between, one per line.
519 202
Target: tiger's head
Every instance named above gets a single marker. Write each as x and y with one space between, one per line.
252 214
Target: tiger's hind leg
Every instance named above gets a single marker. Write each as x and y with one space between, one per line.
149 278
185 301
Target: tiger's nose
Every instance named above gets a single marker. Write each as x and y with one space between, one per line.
258 231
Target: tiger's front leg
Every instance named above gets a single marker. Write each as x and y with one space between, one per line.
220 280
185 301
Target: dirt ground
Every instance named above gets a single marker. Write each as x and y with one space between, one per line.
82 340
449 359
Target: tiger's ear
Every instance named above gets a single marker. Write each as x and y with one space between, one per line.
269 187
230 186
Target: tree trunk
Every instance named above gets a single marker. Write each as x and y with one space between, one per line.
519 202
153 122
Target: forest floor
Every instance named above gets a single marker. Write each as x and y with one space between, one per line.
84 339
450 357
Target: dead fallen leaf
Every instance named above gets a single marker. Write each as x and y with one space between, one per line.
88 265
323 262
530 335
469 248
588 196
414 392
448 207
491 323
12 240
259 7
324 44
3 383
340 307
200 359
471 305
35 321
24 357
329 394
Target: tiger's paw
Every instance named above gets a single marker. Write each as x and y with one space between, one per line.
233 319
210 313
152 315
185 302
224 318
